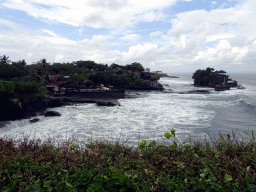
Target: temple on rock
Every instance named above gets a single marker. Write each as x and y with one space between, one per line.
215 79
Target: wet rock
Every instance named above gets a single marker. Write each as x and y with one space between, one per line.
167 91
34 120
52 114
108 103
196 92
240 87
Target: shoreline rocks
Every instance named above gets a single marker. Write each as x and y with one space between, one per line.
34 120
52 114
195 92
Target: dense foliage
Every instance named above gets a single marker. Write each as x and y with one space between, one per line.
22 90
204 77
88 73
226 164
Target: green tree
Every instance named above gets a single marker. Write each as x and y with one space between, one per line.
120 72
99 78
8 72
36 75
4 60
21 65
154 77
86 64
77 78
135 67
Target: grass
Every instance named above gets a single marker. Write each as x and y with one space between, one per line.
223 164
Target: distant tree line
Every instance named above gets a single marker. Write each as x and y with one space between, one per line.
79 72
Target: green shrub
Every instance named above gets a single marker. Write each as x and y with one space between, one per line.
7 86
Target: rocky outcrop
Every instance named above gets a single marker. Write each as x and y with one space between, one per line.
52 114
54 102
195 92
108 103
34 120
14 109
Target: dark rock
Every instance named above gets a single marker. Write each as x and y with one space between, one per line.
34 120
67 99
240 87
55 102
52 114
108 103
196 92
167 91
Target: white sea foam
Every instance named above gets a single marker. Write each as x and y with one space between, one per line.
141 118
135 119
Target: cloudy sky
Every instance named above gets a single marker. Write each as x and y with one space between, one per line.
167 35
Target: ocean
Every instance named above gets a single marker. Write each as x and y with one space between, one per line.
193 116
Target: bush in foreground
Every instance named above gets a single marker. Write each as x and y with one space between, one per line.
227 164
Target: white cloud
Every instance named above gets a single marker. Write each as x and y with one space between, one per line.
29 55
232 29
49 32
7 23
183 48
131 37
140 51
217 36
155 34
95 13
58 58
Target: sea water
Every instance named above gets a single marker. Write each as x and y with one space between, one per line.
196 116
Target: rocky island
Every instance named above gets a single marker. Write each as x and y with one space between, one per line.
214 79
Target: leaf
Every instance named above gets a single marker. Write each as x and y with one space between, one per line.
151 144
246 133
202 175
47 183
174 145
168 135
142 144
173 132
69 185
228 177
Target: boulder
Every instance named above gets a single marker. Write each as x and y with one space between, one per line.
196 92
108 103
52 114
34 120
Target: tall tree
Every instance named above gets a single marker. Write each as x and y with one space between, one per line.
4 60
